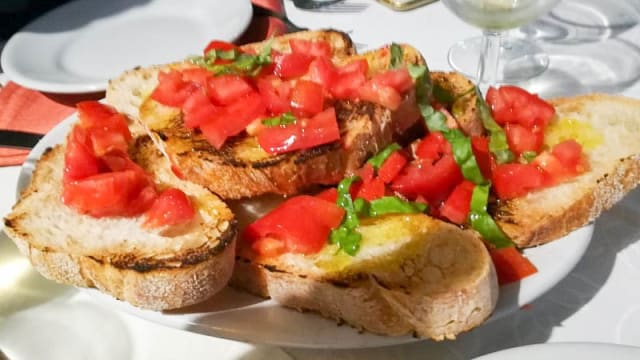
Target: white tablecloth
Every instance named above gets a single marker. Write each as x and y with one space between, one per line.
598 302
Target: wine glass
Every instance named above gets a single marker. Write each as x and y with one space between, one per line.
495 58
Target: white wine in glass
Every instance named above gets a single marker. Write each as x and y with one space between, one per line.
495 58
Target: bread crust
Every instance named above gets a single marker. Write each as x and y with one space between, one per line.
549 214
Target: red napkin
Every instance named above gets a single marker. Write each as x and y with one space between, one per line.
29 110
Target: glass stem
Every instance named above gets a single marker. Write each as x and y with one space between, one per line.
490 58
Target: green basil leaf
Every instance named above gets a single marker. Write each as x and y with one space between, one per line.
528 156
497 138
361 207
394 205
284 119
383 155
482 222
424 87
346 236
436 121
442 95
396 56
463 154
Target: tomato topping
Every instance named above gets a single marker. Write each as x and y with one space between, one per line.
569 153
308 47
391 167
303 134
172 90
276 94
93 113
171 207
511 104
433 146
307 98
486 162
456 207
79 160
323 72
197 75
269 247
233 119
553 170
303 223
360 66
346 85
219 45
366 173
522 139
198 110
511 265
380 94
371 190
330 194
398 79
225 89
433 180
291 65
514 180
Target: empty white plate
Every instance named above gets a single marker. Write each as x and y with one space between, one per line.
79 46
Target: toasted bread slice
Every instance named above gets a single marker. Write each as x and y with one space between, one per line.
413 274
241 168
155 269
611 127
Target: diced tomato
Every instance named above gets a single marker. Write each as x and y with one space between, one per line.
172 90
522 139
433 146
304 134
398 79
392 167
371 190
275 93
569 153
554 171
303 223
456 207
346 85
330 194
515 180
92 113
197 75
171 207
511 265
366 173
433 180
269 247
511 104
323 72
219 45
291 65
225 89
233 119
318 48
105 194
198 110
380 94
79 160
104 140
359 66
307 98
486 162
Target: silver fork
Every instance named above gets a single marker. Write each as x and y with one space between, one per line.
330 6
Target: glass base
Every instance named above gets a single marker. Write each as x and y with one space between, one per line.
519 59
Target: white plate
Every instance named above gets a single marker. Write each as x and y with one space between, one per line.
239 316
79 46
582 351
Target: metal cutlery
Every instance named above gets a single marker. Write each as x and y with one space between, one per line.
336 6
19 139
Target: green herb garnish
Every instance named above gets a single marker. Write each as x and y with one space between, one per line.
282 120
346 236
383 155
241 63
394 205
482 222
497 138
396 56
528 156
424 87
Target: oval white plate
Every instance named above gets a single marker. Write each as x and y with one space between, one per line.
79 46
582 351
240 316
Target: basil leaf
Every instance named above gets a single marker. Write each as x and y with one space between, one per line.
394 205
528 156
497 138
482 222
383 155
346 236
396 56
284 119
442 95
424 87
436 121
463 154
242 64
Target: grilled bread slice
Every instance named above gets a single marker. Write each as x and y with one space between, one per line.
609 126
241 168
155 269
413 274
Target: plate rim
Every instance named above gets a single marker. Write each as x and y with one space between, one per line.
9 53
505 306
548 348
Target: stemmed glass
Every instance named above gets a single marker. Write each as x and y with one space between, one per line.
494 58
